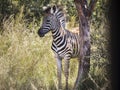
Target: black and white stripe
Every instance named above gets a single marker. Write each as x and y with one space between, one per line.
65 43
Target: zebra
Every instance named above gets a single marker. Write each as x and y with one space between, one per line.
65 44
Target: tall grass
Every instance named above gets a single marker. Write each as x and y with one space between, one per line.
27 61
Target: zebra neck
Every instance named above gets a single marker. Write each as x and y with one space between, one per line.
59 37
58 32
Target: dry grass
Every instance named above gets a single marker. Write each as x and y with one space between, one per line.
27 61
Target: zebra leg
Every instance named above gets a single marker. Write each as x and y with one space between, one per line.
66 70
59 71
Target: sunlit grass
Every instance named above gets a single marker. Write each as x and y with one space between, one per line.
27 61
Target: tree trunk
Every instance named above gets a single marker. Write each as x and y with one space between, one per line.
84 12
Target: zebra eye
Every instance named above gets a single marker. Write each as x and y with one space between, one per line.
48 20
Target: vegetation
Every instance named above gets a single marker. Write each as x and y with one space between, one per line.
27 61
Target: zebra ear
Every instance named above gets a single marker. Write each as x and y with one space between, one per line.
46 9
51 11
54 8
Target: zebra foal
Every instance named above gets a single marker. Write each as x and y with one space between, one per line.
65 44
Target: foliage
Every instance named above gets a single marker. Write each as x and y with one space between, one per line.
32 8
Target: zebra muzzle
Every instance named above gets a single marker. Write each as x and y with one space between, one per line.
40 33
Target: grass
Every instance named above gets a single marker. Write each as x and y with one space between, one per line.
27 61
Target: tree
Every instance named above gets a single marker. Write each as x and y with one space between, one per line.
84 13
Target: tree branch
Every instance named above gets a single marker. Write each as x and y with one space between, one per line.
91 7
86 9
83 22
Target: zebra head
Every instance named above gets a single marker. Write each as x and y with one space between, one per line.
52 15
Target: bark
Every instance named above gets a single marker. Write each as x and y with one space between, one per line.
84 13
91 7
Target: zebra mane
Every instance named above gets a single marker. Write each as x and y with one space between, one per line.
57 11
